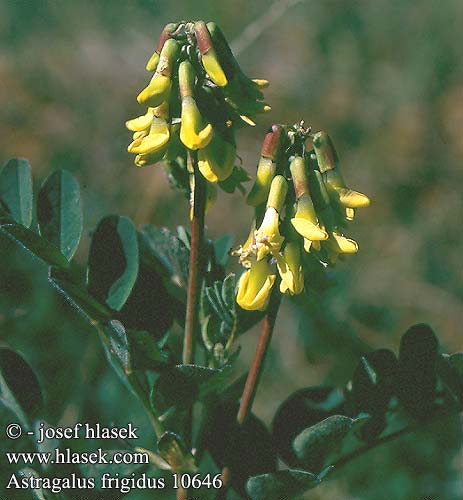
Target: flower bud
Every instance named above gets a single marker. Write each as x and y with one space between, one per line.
266 167
154 59
217 159
158 89
195 131
255 285
259 191
290 269
277 195
327 157
208 55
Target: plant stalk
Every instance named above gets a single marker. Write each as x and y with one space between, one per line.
195 263
255 371
195 275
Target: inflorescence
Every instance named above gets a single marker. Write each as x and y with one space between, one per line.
197 97
302 203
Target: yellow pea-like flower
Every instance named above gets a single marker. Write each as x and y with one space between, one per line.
305 220
347 197
255 285
213 69
195 132
141 123
328 162
217 159
290 269
337 245
345 245
268 237
140 135
157 138
208 55
158 90
144 160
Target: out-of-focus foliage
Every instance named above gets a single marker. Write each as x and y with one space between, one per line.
383 77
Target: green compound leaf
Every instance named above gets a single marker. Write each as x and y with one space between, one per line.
113 261
59 212
146 352
79 298
315 443
372 388
170 250
247 450
179 386
119 345
283 484
417 377
36 245
16 190
19 386
302 409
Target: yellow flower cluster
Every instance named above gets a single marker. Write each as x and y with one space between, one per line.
302 203
195 99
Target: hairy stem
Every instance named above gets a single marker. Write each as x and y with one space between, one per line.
255 371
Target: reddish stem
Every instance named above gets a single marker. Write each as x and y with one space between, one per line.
255 371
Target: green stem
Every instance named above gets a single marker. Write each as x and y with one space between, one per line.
195 264
386 439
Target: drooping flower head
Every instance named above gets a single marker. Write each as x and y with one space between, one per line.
303 206
196 99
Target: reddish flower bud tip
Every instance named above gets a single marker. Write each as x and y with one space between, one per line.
203 37
271 142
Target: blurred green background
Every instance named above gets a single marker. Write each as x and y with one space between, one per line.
384 78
